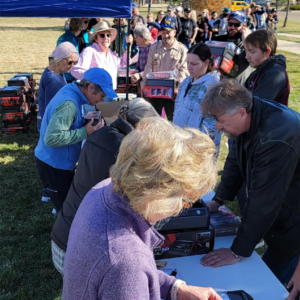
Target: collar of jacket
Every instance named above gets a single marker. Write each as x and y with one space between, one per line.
136 223
255 119
122 126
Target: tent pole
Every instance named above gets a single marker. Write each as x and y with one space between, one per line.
119 33
127 65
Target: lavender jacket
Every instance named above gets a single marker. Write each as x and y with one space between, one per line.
109 253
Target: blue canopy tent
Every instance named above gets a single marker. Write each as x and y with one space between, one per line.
68 9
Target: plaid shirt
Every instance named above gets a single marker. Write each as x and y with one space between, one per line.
143 55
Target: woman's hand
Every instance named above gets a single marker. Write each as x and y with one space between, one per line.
189 292
129 39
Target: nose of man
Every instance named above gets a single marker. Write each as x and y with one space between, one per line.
219 126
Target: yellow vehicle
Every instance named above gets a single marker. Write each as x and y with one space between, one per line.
238 5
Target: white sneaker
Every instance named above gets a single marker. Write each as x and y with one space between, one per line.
45 197
54 212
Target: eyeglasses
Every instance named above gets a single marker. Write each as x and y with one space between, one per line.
216 117
103 35
234 24
71 62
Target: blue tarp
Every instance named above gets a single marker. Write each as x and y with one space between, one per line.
66 9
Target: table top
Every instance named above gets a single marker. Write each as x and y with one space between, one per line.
250 275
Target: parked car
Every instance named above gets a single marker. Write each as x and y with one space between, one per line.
238 5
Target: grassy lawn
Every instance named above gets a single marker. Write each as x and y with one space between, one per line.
26 270
293 26
288 38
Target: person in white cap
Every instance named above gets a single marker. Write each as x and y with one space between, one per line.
178 11
63 128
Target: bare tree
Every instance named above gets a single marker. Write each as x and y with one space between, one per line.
287 13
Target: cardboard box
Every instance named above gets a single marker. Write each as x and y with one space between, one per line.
110 110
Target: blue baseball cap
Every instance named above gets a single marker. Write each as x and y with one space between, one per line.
134 5
102 78
238 15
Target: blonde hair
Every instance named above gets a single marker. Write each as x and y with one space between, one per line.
159 164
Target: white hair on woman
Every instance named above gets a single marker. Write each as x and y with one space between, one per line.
142 31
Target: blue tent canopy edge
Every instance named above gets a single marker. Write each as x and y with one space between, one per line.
66 9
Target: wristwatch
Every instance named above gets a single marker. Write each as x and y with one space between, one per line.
219 201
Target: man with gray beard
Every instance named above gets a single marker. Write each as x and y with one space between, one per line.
166 55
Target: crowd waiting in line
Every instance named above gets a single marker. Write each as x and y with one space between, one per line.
142 168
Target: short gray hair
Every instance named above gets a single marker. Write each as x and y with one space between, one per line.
85 83
142 31
136 110
136 21
226 96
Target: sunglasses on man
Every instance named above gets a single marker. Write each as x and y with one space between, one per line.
234 24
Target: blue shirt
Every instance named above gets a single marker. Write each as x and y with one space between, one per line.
50 84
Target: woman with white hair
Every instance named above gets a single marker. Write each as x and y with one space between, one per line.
143 39
62 60
160 169
98 154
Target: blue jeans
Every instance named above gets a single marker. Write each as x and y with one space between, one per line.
283 271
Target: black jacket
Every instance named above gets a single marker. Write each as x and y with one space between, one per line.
270 81
98 154
267 159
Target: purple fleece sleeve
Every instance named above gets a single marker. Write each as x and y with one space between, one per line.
166 282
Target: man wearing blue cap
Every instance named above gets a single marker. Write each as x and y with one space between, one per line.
170 17
63 128
135 10
237 32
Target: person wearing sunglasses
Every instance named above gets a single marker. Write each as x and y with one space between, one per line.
53 79
237 32
71 36
160 16
84 35
110 246
99 55
63 129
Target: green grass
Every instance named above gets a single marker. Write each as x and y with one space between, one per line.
288 38
293 26
26 270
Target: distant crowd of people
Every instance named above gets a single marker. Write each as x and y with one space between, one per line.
141 169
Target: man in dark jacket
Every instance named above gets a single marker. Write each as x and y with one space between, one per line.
265 154
270 79
98 154
237 32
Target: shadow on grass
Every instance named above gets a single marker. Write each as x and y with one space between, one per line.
26 269
55 28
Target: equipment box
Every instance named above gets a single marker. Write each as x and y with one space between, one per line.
18 81
14 128
10 91
159 88
12 101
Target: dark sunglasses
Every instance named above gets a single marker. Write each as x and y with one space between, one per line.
103 35
234 24
85 22
72 62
